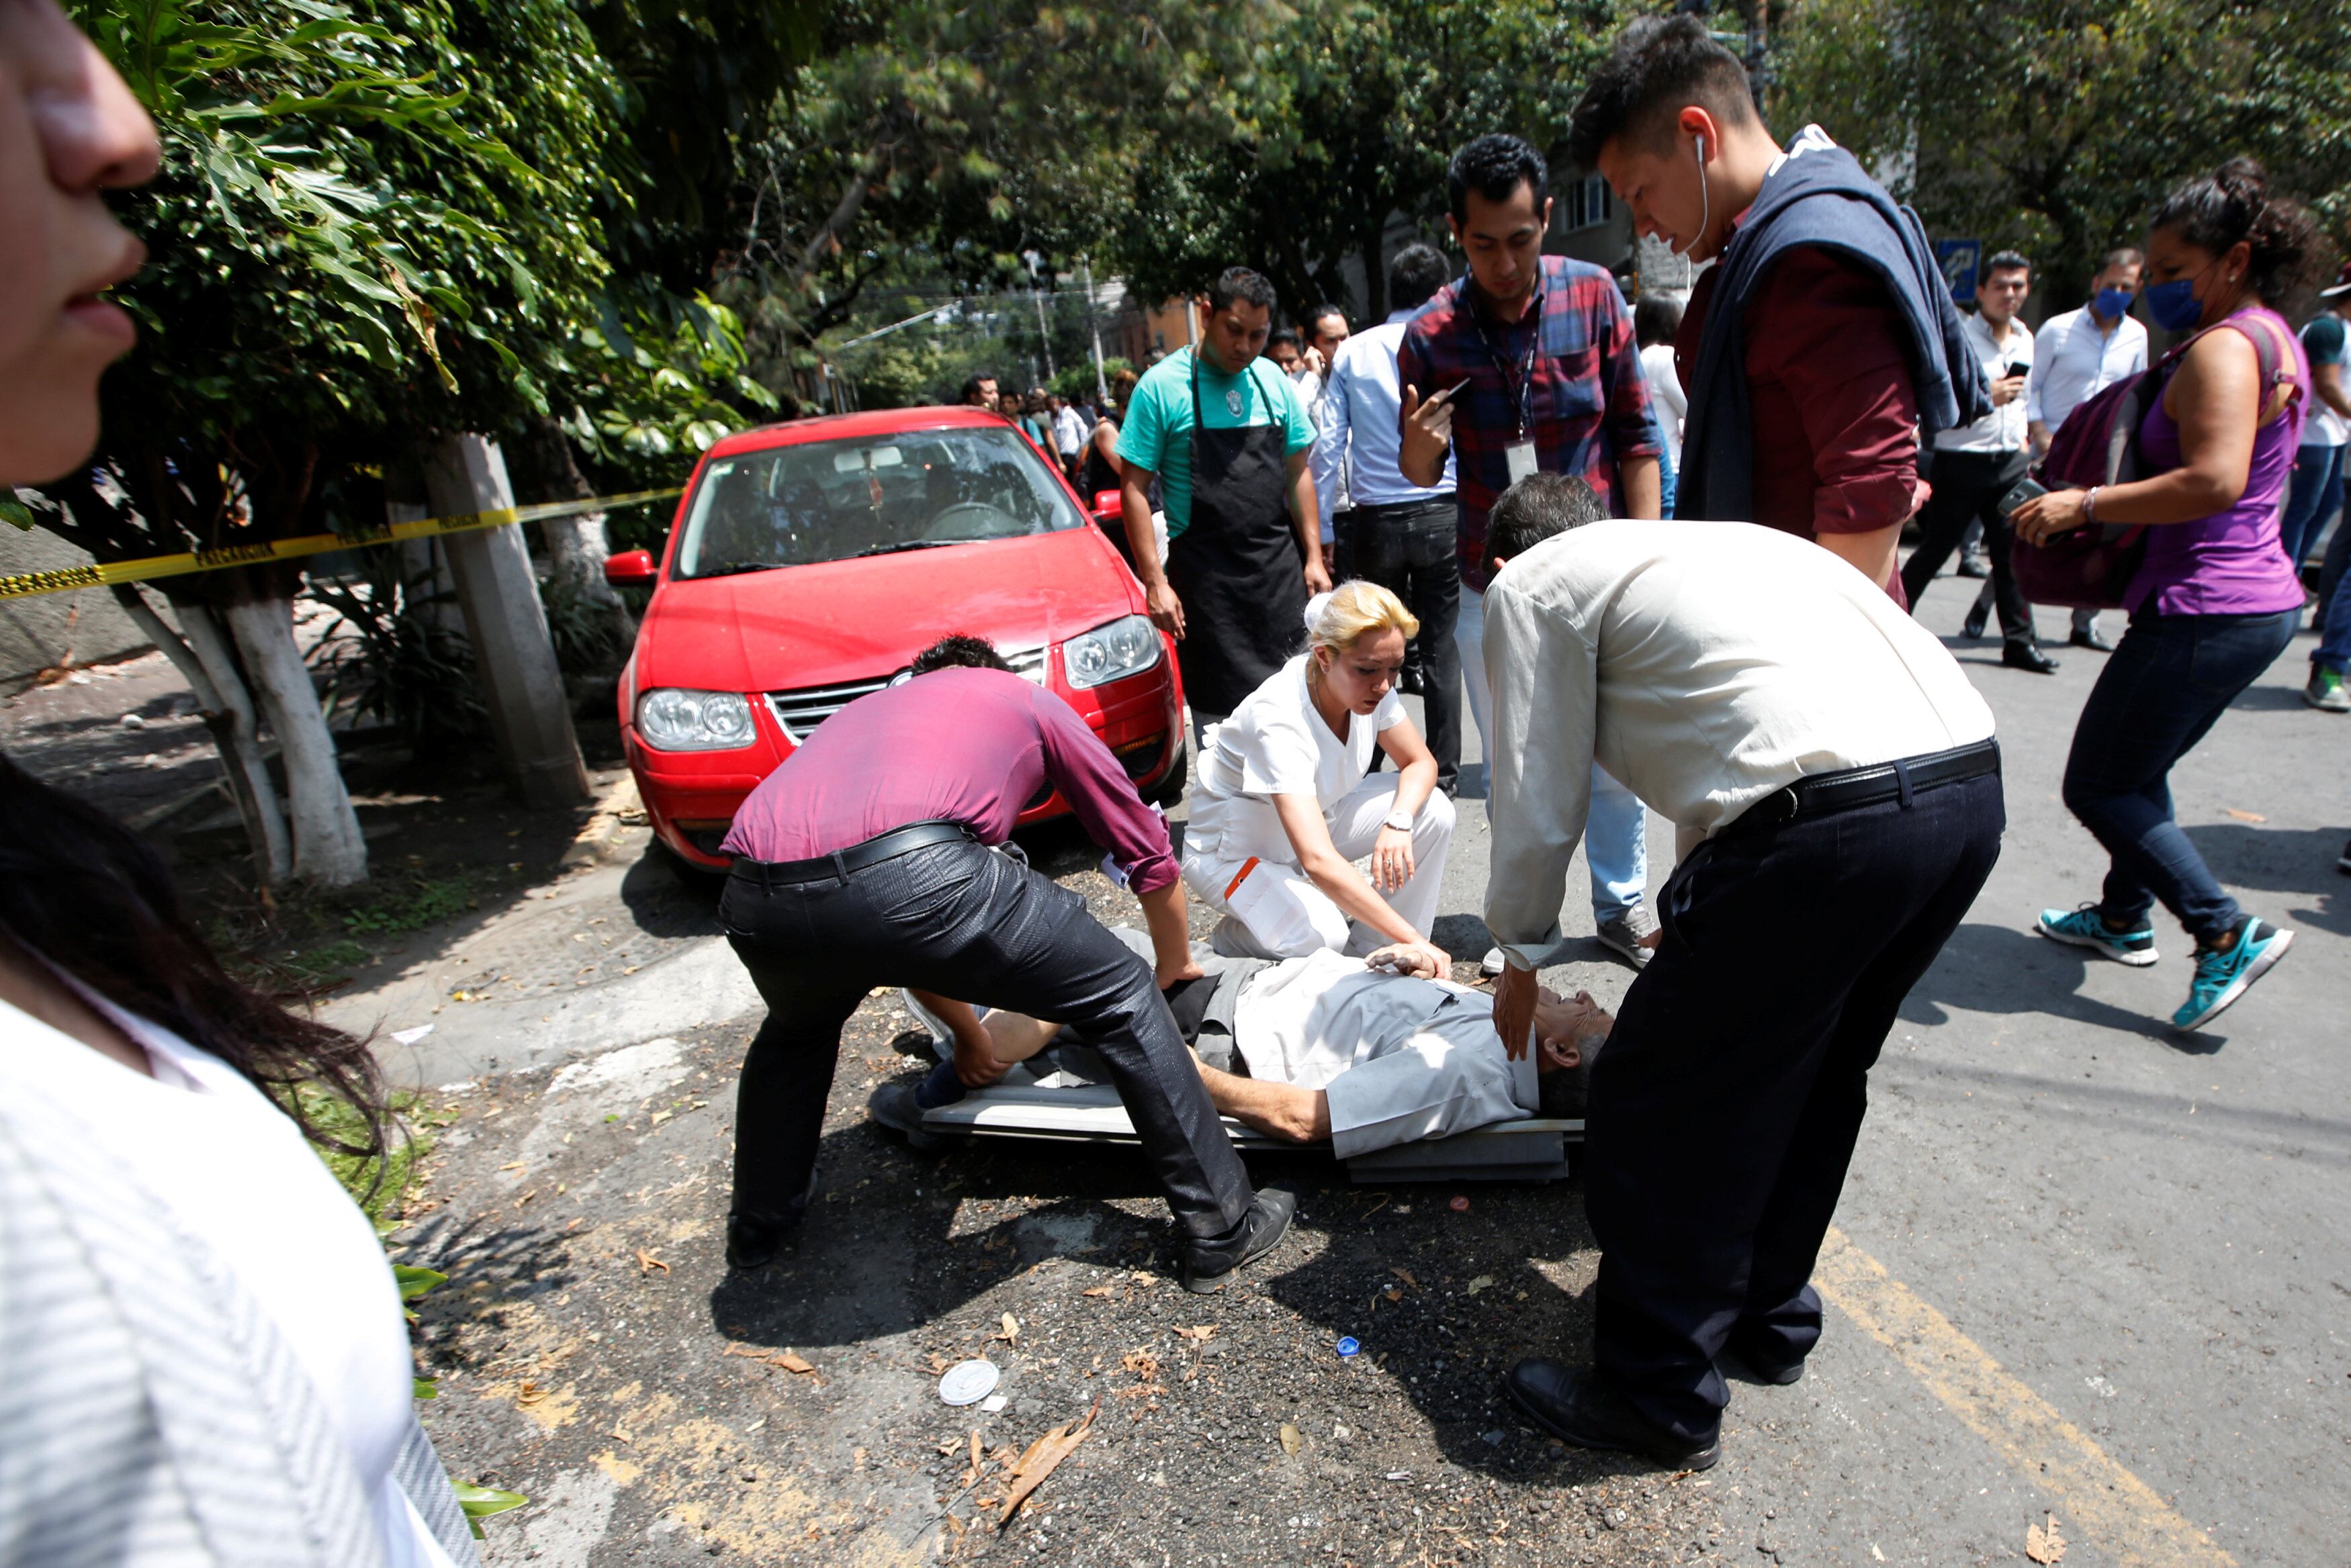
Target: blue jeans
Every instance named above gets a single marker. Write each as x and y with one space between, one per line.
2161 691
2316 496
2334 651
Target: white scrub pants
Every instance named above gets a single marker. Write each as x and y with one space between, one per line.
1616 833
1273 910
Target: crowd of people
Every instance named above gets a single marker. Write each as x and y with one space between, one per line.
1486 474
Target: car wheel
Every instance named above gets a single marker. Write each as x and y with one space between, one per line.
1170 792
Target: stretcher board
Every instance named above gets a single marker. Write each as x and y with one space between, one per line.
1528 1149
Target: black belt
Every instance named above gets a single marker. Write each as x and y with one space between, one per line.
1824 793
1392 508
838 865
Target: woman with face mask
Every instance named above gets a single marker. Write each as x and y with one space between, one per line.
203 1359
2214 599
1286 800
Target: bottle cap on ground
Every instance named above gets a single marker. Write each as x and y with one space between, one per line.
1348 1346
968 1382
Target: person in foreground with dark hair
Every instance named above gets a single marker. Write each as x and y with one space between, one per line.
848 875
979 391
1529 363
203 1357
1825 347
1226 439
1827 767
2214 600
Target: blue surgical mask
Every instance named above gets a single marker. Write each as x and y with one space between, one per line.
2173 306
2114 303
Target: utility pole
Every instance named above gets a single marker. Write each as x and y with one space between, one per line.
1094 324
1038 294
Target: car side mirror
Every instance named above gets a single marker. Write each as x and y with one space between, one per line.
1108 508
630 568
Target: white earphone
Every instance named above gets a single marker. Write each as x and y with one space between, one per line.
1705 195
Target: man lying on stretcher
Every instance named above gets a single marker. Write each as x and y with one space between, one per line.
1367 1052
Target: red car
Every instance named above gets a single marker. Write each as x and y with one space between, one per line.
811 562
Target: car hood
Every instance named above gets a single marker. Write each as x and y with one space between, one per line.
851 621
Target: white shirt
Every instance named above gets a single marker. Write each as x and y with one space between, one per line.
2003 430
1359 443
1275 743
1069 430
1399 1059
2073 362
1704 665
1665 392
239 1180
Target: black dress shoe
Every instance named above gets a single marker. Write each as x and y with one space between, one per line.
1974 566
2024 656
899 1107
1757 1367
1973 627
755 1241
1211 1265
2092 640
1575 1406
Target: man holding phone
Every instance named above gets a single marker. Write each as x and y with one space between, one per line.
1975 466
1529 364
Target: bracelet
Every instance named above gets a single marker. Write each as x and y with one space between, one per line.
2090 505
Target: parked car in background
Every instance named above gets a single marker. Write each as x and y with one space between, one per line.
811 562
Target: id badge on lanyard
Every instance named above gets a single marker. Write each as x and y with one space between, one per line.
1520 457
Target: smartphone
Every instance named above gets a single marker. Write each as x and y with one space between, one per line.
1448 393
2016 370
2024 489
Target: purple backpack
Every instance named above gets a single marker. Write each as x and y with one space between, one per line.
2091 568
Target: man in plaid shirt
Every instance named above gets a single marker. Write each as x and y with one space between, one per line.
1549 378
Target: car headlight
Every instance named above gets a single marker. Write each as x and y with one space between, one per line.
674 721
1128 646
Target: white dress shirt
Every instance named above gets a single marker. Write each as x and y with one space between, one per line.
1275 743
2073 362
2003 430
1666 394
1069 430
1359 442
1705 665
1399 1059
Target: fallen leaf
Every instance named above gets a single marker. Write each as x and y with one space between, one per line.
2240 817
1101 1291
1483 1282
1405 1275
1291 1438
647 1262
1143 1277
791 1362
2044 1545
1039 1462
529 1393
1394 1293
754 1352
1012 1334
620 1434
973 1475
516 1165
952 1446
1142 1362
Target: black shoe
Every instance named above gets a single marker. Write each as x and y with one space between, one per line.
2024 656
1573 1404
1211 1265
2342 861
1756 1367
899 1108
1973 627
2092 640
755 1241
1974 566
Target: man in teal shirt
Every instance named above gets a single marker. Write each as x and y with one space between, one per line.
1227 438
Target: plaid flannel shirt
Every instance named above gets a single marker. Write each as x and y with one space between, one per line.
1587 403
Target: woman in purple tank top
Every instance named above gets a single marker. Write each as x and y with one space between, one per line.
2214 600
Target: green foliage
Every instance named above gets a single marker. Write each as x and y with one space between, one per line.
480 1502
415 902
393 655
2059 129
378 1184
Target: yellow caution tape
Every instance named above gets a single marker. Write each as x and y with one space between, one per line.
21 584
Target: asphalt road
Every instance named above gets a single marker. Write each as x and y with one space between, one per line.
2091 1267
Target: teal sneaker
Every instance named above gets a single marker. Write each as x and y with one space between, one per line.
2223 973
2083 929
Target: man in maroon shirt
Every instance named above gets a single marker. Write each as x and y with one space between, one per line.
877 854
1823 343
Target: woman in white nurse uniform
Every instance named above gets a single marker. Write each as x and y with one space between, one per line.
1286 801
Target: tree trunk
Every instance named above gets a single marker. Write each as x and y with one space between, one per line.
328 848
543 468
227 709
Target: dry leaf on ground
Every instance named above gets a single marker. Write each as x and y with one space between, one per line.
2240 817
791 1362
1293 1440
1482 1283
647 1262
2043 1544
1039 1462
1202 1331
1405 1275
1012 1334
1101 1291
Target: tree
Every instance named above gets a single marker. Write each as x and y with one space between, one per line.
2059 128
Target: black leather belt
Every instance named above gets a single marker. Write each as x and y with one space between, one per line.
838 865
1824 793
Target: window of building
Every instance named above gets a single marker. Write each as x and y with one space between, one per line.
1587 202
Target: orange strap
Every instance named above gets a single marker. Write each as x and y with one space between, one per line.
1240 876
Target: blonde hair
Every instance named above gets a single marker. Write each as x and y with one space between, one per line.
1339 620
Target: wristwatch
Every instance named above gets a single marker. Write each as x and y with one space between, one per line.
1400 819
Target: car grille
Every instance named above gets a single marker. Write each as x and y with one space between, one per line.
801 711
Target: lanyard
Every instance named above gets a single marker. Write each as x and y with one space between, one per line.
1521 386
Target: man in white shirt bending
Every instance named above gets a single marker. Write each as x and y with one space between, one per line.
1829 769
2077 355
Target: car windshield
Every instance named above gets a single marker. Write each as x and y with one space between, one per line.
829 500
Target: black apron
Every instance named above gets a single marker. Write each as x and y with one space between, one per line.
1236 568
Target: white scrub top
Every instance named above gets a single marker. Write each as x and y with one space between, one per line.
1275 743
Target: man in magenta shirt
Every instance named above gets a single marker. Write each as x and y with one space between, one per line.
868 859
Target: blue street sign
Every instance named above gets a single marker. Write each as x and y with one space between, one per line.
1959 260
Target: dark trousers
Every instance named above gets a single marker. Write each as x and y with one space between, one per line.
1968 488
1725 1103
970 923
2161 690
1408 549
